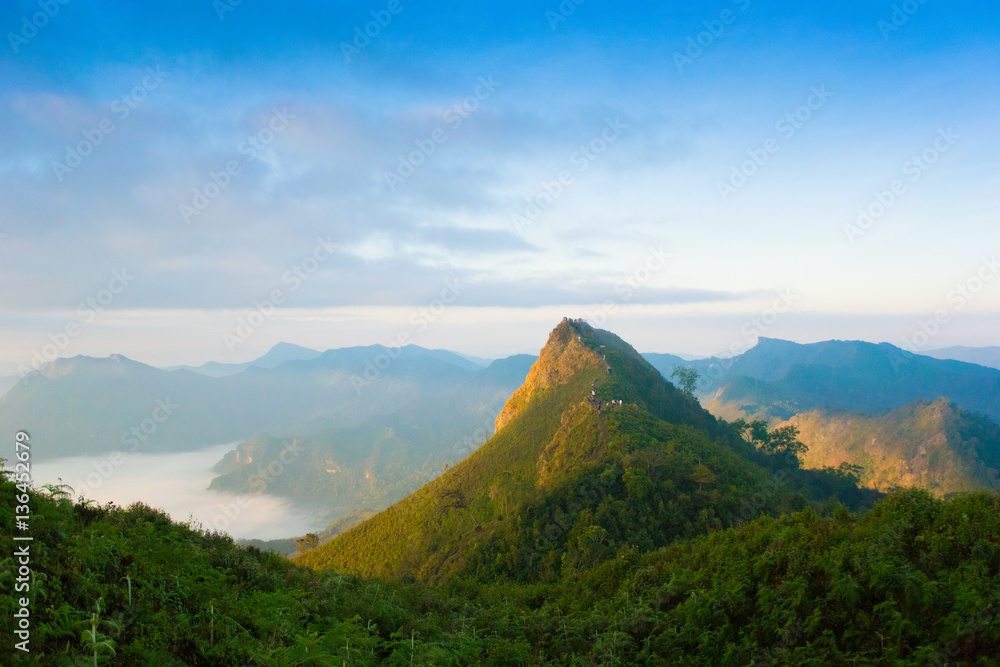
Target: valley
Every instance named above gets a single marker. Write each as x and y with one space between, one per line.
609 518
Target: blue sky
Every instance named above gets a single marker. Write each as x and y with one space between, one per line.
558 154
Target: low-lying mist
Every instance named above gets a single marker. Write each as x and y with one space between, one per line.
178 484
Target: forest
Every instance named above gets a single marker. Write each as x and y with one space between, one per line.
611 520
913 581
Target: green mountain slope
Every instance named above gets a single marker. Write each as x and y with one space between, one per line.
933 445
594 455
914 582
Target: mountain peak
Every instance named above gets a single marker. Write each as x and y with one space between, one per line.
569 349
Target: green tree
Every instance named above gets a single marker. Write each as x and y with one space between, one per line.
784 440
637 483
310 541
687 378
702 474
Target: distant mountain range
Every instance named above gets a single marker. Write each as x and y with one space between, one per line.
366 467
984 356
610 520
374 423
84 405
283 352
905 419
276 356
777 379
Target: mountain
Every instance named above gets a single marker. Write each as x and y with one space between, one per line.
84 406
367 467
595 455
933 445
778 379
585 531
868 405
479 361
983 356
666 363
276 356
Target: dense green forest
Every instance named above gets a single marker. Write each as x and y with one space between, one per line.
610 521
915 581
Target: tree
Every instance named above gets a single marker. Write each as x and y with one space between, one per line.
754 432
307 543
637 483
703 475
782 441
687 378
850 472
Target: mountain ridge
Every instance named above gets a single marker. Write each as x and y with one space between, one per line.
853 375
596 452
86 405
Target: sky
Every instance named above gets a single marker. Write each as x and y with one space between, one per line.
200 180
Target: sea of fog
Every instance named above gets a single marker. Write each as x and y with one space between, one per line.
178 484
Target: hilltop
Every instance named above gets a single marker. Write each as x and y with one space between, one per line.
934 445
595 453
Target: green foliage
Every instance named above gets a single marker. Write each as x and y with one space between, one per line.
569 458
587 531
309 541
781 442
688 379
932 444
914 581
